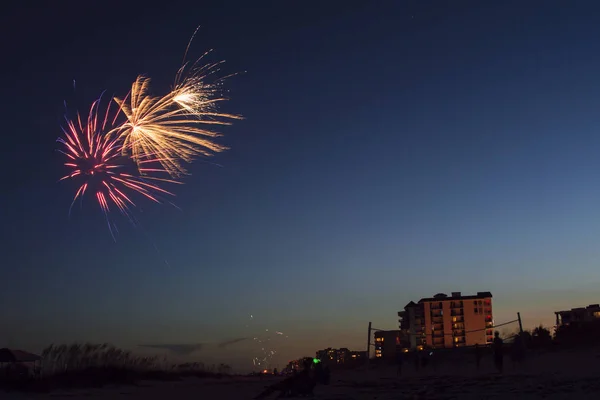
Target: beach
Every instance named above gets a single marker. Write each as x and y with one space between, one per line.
545 375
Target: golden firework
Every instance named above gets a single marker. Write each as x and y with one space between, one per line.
159 130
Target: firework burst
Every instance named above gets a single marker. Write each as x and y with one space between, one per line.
156 129
177 127
95 157
156 134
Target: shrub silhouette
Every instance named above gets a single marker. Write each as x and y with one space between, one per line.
94 365
579 333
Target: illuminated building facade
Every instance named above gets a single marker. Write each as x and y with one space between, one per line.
456 320
444 321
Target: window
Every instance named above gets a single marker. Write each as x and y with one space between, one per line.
476 310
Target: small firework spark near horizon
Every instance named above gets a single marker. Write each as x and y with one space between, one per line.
156 134
265 343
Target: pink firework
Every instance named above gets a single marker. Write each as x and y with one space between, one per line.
95 157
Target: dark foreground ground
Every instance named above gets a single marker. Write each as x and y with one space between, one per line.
551 375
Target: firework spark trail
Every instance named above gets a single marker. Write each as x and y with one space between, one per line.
194 92
94 155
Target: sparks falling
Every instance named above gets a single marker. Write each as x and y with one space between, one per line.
95 157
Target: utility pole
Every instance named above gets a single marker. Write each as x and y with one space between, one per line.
368 346
520 323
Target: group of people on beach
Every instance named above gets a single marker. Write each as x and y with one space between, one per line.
424 358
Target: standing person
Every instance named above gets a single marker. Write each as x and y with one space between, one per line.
498 352
518 351
477 355
417 360
399 361
327 375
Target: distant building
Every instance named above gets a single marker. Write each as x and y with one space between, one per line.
444 321
358 355
412 324
387 343
334 356
577 315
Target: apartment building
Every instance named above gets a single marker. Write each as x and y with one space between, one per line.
444 321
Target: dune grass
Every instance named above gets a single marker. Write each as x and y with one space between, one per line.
95 365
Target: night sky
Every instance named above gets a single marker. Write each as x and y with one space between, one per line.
390 150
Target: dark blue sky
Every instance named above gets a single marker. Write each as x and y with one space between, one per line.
391 150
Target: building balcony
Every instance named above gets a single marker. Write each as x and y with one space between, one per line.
456 312
458 332
456 304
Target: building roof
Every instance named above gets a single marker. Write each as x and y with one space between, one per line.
579 309
388 332
7 355
443 297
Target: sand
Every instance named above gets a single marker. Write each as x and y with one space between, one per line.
549 375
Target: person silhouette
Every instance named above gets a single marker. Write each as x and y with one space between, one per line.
399 361
498 352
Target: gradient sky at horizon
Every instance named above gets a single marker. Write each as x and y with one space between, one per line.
391 150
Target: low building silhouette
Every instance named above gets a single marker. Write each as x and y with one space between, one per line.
388 343
577 315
